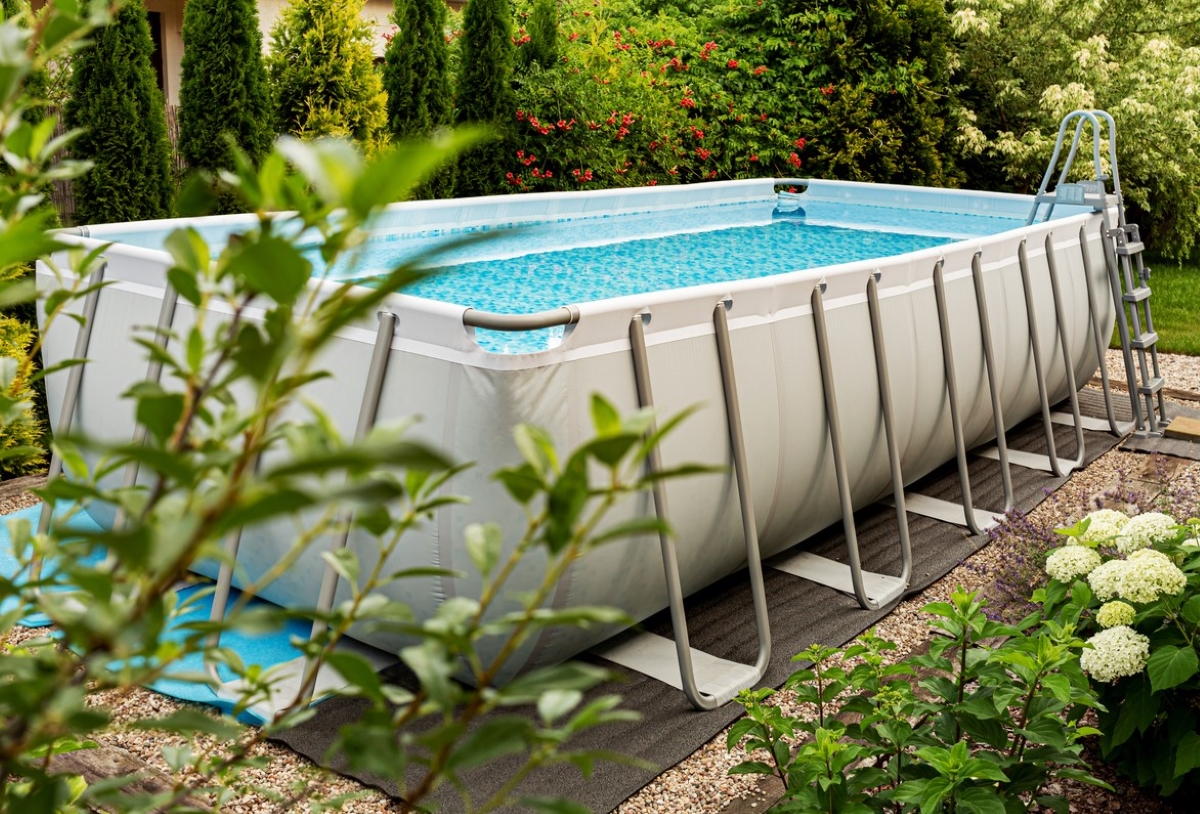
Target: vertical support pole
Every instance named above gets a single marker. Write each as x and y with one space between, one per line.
368 411
1068 359
1038 370
989 358
741 470
833 422
66 415
641 373
960 444
166 316
1097 339
889 426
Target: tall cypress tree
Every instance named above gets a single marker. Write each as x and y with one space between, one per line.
416 78
116 101
223 90
542 28
485 93
323 72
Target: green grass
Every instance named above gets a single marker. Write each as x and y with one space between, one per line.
1175 304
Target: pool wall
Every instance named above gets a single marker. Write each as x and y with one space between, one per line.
469 399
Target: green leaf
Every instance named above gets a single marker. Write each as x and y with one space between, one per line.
633 528
273 266
537 449
556 703
605 418
1191 610
979 800
752 767
344 562
521 483
529 687
357 671
157 410
433 668
1170 666
483 545
187 721
504 735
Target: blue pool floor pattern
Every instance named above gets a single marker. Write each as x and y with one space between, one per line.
264 649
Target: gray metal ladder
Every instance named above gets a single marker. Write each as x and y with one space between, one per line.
1123 254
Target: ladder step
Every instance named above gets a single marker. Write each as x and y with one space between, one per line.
880 588
1144 341
655 656
1151 387
1131 248
1137 294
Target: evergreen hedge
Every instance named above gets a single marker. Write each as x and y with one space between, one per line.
542 30
485 92
223 91
322 71
115 99
416 77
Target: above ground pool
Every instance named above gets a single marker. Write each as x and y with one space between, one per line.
600 269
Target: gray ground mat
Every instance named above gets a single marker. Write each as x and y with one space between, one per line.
1179 447
721 623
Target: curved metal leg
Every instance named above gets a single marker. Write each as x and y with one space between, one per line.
645 651
1099 342
1038 370
1068 363
989 358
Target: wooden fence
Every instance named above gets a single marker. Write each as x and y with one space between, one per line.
62 194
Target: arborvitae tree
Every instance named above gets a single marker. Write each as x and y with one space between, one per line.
116 101
485 93
16 336
323 73
223 90
542 29
417 80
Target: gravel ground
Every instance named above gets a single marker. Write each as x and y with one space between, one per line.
1181 372
699 784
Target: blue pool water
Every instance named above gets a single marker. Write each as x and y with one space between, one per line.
518 268
525 270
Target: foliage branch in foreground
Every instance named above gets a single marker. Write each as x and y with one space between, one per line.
233 441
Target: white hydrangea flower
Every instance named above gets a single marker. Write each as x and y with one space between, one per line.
1115 614
1145 530
1070 562
1105 579
1115 653
1106 524
1149 574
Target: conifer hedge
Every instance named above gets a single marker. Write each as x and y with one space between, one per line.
417 79
116 101
322 71
223 91
485 93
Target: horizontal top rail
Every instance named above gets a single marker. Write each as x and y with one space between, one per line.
563 315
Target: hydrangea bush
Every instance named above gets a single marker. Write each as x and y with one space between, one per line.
1134 585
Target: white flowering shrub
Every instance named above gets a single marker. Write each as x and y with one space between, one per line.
1114 614
1070 562
1103 526
1118 652
1139 609
1145 530
1023 64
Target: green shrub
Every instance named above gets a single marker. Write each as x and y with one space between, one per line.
485 93
539 45
1024 64
416 77
223 91
993 723
323 73
1134 585
22 439
116 101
